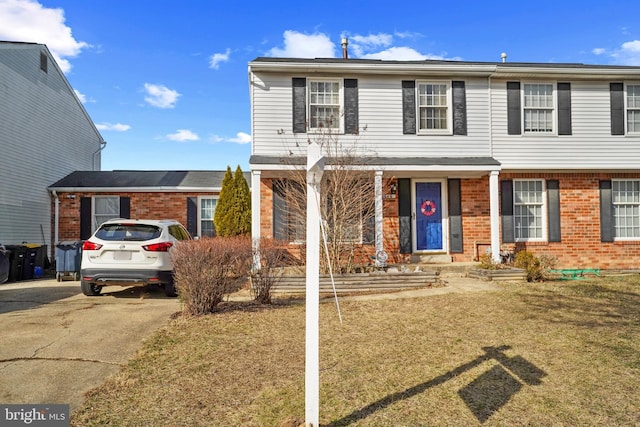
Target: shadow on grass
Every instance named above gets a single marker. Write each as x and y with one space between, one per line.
483 396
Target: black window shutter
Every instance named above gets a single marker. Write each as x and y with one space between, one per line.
279 211
404 211
553 210
617 108
85 218
506 208
606 212
564 108
125 207
192 215
299 104
455 216
459 108
514 121
408 107
351 106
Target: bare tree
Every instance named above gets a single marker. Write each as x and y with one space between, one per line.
346 205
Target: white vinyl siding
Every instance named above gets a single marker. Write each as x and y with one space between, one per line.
379 116
45 136
633 108
626 209
528 210
434 107
538 108
590 146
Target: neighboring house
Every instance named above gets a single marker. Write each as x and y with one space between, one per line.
45 133
83 200
466 156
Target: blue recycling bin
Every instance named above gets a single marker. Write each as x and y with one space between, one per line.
68 260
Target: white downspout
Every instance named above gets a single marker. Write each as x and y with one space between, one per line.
103 144
56 211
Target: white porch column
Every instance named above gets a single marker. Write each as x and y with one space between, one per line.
494 215
378 212
315 169
255 217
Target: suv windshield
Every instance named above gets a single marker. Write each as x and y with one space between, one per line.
130 232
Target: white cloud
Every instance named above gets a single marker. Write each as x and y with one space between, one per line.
183 135
117 127
160 96
241 138
299 45
217 58
628 53
29 21
82 97
599 51
400 54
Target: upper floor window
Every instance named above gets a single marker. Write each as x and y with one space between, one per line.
434 107
528 210
626 208
633 108
538 107
324 104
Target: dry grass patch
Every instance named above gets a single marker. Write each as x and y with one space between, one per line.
559 353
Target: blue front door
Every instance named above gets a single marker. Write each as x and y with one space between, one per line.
428 214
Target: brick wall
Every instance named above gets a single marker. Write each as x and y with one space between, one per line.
154 205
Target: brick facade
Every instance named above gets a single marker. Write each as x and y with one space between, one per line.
580 245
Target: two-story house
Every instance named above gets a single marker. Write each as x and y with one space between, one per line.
45 134
467 157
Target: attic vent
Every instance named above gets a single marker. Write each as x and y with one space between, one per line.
43 62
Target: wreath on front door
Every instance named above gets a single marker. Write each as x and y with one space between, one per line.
428 208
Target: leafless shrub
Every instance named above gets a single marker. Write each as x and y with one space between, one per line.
207 270
273 257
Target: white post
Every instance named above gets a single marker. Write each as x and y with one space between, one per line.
494 215
378 212
255 217
315 169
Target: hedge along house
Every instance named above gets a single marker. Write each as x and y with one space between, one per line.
82 200
466 156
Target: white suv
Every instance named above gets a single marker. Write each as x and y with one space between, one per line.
130 252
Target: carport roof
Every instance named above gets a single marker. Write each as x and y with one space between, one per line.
142 180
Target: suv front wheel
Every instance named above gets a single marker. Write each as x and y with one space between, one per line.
90 289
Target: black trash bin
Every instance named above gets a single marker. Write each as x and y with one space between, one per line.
16 261
4 265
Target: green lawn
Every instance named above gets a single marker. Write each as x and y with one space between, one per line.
552 354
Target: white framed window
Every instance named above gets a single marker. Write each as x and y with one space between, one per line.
529 207
104 208
206 211
325 104
626 209
434 107
538 108
633 108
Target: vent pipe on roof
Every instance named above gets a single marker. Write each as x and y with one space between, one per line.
345 43
503 55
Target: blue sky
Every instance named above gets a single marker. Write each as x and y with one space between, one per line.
166 81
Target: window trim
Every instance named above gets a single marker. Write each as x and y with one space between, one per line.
554 109
627 109
449 128
616 238
544 206
340 82
199 213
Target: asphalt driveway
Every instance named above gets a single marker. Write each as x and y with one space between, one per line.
56 344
